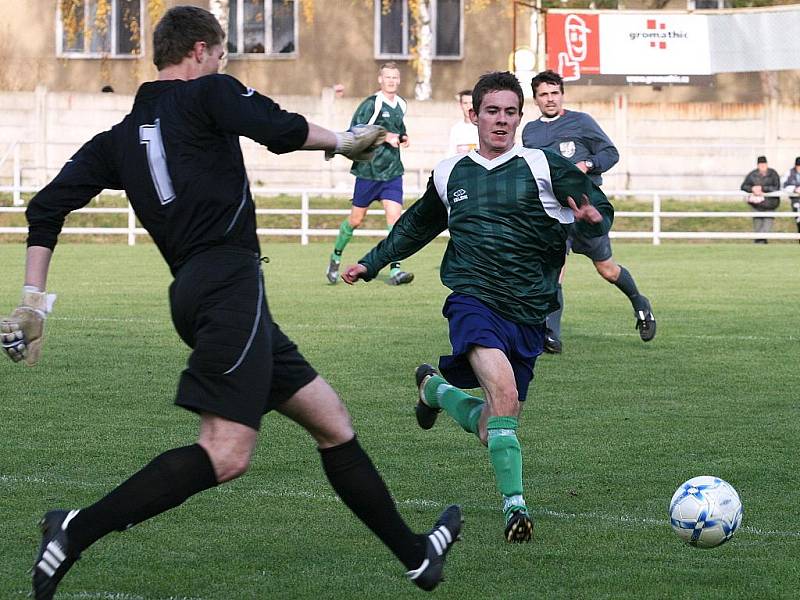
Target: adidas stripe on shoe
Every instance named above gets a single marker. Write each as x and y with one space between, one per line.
439 540
54 558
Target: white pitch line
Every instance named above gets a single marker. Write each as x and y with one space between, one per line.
13 479
120 596
421 503
415 502
424 503
106 595
108 320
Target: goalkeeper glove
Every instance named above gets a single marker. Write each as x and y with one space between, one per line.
22 333
359 142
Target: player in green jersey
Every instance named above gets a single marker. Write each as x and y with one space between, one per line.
508 210
382 177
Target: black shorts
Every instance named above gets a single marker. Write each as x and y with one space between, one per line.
242 365
596 248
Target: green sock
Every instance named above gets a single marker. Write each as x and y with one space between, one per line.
345 234
506 457
465 409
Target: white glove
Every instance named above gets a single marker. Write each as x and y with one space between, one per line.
358 142
22 333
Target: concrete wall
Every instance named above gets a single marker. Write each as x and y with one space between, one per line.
679 146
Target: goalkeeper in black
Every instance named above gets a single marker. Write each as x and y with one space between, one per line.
508 210
177 156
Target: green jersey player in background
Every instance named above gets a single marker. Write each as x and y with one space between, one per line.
382 177
509 210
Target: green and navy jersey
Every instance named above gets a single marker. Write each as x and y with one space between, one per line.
379 110
508 219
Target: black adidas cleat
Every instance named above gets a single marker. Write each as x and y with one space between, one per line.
646 324
426 415
400 278
333 272
54 558
552 345
519 527
439 540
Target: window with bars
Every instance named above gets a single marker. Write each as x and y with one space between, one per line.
394 28
99 28
265 27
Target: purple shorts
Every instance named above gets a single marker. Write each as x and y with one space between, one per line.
472 323
369 190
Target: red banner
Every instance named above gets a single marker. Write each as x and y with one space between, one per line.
573 44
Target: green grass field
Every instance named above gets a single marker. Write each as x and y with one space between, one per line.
610 429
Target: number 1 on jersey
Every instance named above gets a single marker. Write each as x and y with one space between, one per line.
150 136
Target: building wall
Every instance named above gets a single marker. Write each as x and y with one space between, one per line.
337 46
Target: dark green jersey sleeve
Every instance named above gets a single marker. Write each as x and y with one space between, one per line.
364 112
600 201
420 224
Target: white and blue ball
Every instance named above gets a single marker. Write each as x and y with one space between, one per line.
705 511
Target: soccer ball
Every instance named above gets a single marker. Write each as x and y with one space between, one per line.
705 511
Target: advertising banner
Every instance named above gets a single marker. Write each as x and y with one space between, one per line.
666 48
646 44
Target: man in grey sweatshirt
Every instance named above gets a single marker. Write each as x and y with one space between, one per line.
577 137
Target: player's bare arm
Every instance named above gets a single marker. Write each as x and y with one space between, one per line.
397 140
37 265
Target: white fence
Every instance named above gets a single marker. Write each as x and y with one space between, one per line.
304 232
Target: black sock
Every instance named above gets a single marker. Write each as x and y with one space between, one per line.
626 283
359 485
628 287
164 483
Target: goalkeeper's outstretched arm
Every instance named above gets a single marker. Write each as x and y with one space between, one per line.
357 143
37 265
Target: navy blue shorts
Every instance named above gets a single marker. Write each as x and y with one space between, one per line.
369 190
472 323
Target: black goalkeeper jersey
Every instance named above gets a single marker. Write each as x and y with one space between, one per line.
177 156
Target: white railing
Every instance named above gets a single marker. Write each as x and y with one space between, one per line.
16 187
656 234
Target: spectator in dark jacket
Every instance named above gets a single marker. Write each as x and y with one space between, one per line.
758 183
792 187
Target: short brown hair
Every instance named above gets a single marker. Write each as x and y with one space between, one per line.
497 81
388 65
179 30
548 76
